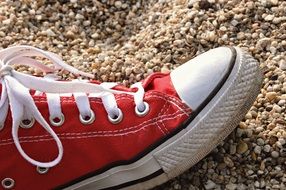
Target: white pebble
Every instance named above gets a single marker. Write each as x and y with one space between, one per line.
95 35
50 33
282 65
257 149
210 185
269 17
260 142
277 108
118 4
6 22
267 148
275 154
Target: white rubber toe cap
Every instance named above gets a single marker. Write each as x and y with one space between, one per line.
195 80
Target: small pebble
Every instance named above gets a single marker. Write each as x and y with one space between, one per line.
242 147
209 185
277 108
275 154
282 65
118 4
282 102
50 33
263 43
248 115
95 35
273 140
267 148
271 96
260 141
231 186
228 162
257 149
269 17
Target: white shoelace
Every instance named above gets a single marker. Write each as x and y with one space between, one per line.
16 93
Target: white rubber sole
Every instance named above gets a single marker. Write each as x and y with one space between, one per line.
214 123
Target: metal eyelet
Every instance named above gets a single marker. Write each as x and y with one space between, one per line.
57 123
116 119
144 112
8 183
42 170
87 119
27 123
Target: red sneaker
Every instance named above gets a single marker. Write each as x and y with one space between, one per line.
87 135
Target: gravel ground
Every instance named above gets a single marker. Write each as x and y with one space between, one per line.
125 41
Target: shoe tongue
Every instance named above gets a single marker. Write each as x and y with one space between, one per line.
160 82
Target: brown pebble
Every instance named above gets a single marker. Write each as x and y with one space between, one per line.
273 140
242 147
271 126
271 96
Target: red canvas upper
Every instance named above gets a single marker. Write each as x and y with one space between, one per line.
95 147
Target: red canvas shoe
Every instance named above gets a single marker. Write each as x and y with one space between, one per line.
85 135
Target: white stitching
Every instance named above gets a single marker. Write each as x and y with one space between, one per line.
90 136
165 112
163 108
164 126
172 100
104 132
165 131
156 123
